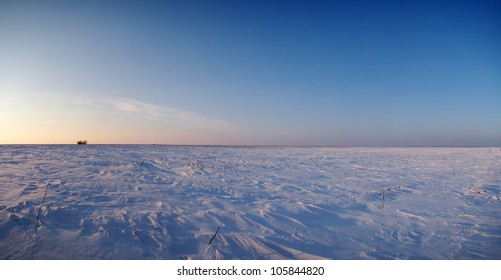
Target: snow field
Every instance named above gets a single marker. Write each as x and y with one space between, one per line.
166 202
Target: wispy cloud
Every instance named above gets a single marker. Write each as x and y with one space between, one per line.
43 122
160 113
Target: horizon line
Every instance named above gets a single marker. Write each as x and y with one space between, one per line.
262 145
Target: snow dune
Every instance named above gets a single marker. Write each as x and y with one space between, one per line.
166 202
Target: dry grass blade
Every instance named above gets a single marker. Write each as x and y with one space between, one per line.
37 225
210 241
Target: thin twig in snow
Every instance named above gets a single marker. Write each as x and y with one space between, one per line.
144 165
210 241
39 209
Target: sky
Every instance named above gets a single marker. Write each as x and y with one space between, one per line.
334 73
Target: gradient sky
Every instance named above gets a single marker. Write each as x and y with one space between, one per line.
370 73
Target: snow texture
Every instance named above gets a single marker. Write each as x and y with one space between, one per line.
169 202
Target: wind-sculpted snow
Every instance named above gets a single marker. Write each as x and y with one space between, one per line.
167 202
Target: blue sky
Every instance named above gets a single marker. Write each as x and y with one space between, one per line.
356 73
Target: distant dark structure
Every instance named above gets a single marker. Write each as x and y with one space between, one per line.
84 142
